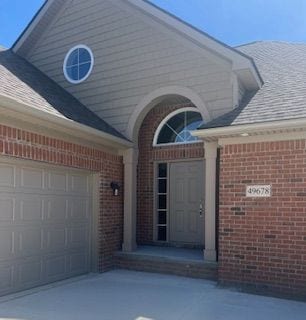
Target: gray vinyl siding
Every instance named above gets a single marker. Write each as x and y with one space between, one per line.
43 24
132 59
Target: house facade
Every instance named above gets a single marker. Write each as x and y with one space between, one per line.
123 126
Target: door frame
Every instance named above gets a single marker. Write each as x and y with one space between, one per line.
155 197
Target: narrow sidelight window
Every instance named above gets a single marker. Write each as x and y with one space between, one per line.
162 201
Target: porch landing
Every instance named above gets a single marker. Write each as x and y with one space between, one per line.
167 260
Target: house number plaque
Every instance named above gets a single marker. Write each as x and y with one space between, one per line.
258 191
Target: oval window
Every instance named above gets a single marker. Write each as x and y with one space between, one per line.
177 127
78 64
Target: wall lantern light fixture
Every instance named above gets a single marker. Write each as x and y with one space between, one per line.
115 187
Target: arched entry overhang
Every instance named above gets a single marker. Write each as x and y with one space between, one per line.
180 95
156 97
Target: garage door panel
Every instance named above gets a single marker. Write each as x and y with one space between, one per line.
7 175
6 277
30 241
56 239
79 209
78 263
56 268
30 273
7 209
57 208
57 181
79 184
32 178
79 236
7 249
45 216
31 209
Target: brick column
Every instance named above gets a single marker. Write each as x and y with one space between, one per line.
130 160
210 200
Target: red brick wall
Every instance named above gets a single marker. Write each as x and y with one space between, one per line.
262 241
147 156
26 145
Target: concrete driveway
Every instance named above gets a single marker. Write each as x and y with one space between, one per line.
127 295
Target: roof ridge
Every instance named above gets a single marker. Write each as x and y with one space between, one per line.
270 41
247 43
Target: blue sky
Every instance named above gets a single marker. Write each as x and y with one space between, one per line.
231 21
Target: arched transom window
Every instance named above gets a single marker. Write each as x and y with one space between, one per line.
176 127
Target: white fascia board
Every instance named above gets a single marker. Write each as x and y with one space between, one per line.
251 129
45 7
76 129
239 60
249 77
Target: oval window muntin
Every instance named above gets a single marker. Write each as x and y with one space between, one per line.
164 122
67 57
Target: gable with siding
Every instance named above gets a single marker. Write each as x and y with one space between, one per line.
133 57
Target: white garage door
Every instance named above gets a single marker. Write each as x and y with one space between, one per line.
44 225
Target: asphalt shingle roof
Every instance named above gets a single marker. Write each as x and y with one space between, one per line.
283 95
21 81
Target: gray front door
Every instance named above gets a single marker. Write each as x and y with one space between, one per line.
186 200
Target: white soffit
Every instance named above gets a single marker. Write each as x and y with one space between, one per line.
246 131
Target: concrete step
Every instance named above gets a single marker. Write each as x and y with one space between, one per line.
167 265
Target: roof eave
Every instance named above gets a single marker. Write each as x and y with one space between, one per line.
75 128
245 130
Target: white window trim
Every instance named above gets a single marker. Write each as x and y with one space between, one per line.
165 120
79 46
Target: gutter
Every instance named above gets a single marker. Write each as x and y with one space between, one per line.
250 129
61 122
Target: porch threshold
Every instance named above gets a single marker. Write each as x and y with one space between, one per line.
167 260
